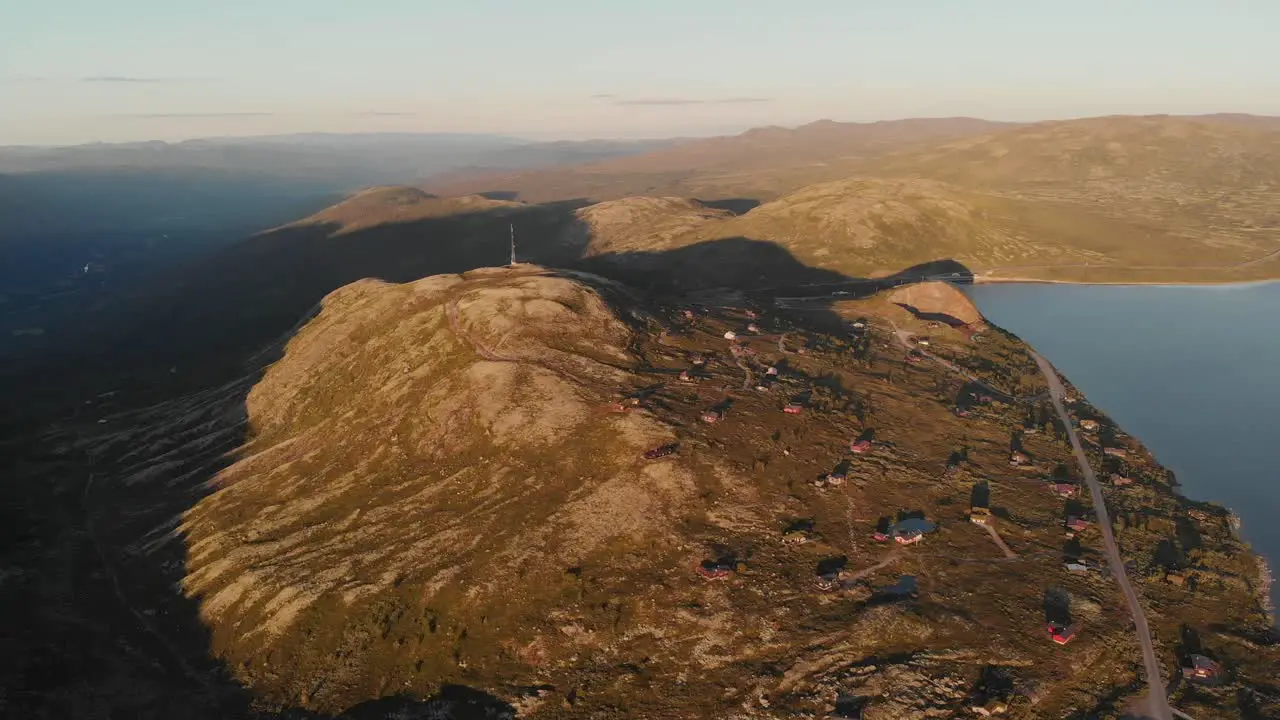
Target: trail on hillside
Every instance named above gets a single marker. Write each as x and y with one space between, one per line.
999 541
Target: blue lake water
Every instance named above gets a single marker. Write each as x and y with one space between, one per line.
1192 371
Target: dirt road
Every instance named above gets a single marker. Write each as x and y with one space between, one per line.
1000 542
904 339
1157 704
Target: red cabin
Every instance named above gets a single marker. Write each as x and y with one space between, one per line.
793 409
1203 669
860 446
1063 634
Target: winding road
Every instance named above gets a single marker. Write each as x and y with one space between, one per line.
1156 702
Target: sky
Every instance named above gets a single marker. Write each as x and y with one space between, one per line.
74 71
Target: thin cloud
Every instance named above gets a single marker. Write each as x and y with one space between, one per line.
692 101
603 96
121 79
661 101
386 113
171 116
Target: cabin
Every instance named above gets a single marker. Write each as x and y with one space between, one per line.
860 446
712 416
835 479
1089 425
1078 524
772 371
661 451
1120 481
1063 489
1115 452
1063 634
714 569
795 537
1201 669
914 356
1018 459
980 515
880 536
753 328
793 409
907 537
730 335
827 582
1076 567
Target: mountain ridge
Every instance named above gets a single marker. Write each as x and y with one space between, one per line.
499 480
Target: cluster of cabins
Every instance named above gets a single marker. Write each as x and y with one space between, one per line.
909 531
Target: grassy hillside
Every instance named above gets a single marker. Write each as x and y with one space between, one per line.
1102 199
432 486
873 227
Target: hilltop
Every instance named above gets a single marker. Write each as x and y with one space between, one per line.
505 480
390 205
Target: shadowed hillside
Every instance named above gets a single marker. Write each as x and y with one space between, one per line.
198 324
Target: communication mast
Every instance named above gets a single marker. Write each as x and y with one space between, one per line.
512 226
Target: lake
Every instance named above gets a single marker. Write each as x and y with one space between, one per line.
1192 371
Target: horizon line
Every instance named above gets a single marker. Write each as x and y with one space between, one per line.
580 136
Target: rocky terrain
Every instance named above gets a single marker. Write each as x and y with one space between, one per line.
540 493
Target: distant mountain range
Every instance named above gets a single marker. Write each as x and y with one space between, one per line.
343 160
1154 198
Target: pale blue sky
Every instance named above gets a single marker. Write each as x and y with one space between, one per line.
88 70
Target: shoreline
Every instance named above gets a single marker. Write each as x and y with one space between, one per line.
987 280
